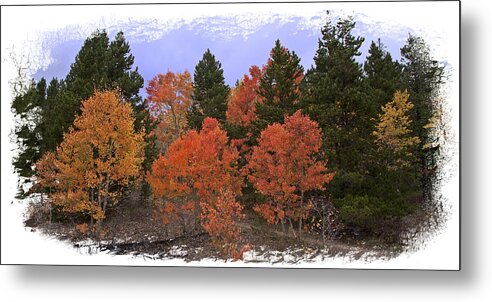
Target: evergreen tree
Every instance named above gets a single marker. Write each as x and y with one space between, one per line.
345 104
279 87
48 122
333 96
383 76
26 106
210 92
100 65
424 76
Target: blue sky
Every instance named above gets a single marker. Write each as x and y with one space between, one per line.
182 47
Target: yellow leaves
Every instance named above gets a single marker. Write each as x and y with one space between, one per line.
438 126
392 129
102 150
168 101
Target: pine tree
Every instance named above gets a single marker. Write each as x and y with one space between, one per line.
382 78
393 180
210 92
382 75
279 87
49 126
333 96
424 76
99 65
26 107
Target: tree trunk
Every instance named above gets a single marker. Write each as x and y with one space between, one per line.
92 202
196 215
183 223
99 196
292 228
50 205
323 225
106 194
175 120
300 215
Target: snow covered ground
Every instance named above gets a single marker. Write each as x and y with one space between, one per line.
23 245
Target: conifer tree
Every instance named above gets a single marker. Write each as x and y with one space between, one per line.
424 76
26 107
210 92
101 64
393 180
279 87
333 96
382 75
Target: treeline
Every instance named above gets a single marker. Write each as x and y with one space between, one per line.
282 142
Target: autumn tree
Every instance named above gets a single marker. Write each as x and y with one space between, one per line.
169 99
241 108
198 174
219 219
284 167
99 155
103 64
241 111
46 180
172 181
393 129
209 92
47 111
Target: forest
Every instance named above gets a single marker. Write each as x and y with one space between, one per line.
341 157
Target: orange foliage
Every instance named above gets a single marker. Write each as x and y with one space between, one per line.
167 212
283 167
82 228
219 218
169 98
195 173
243 99
99 155
46 171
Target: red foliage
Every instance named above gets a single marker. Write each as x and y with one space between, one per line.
219 219
243 99
169 98
283 167
198 172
